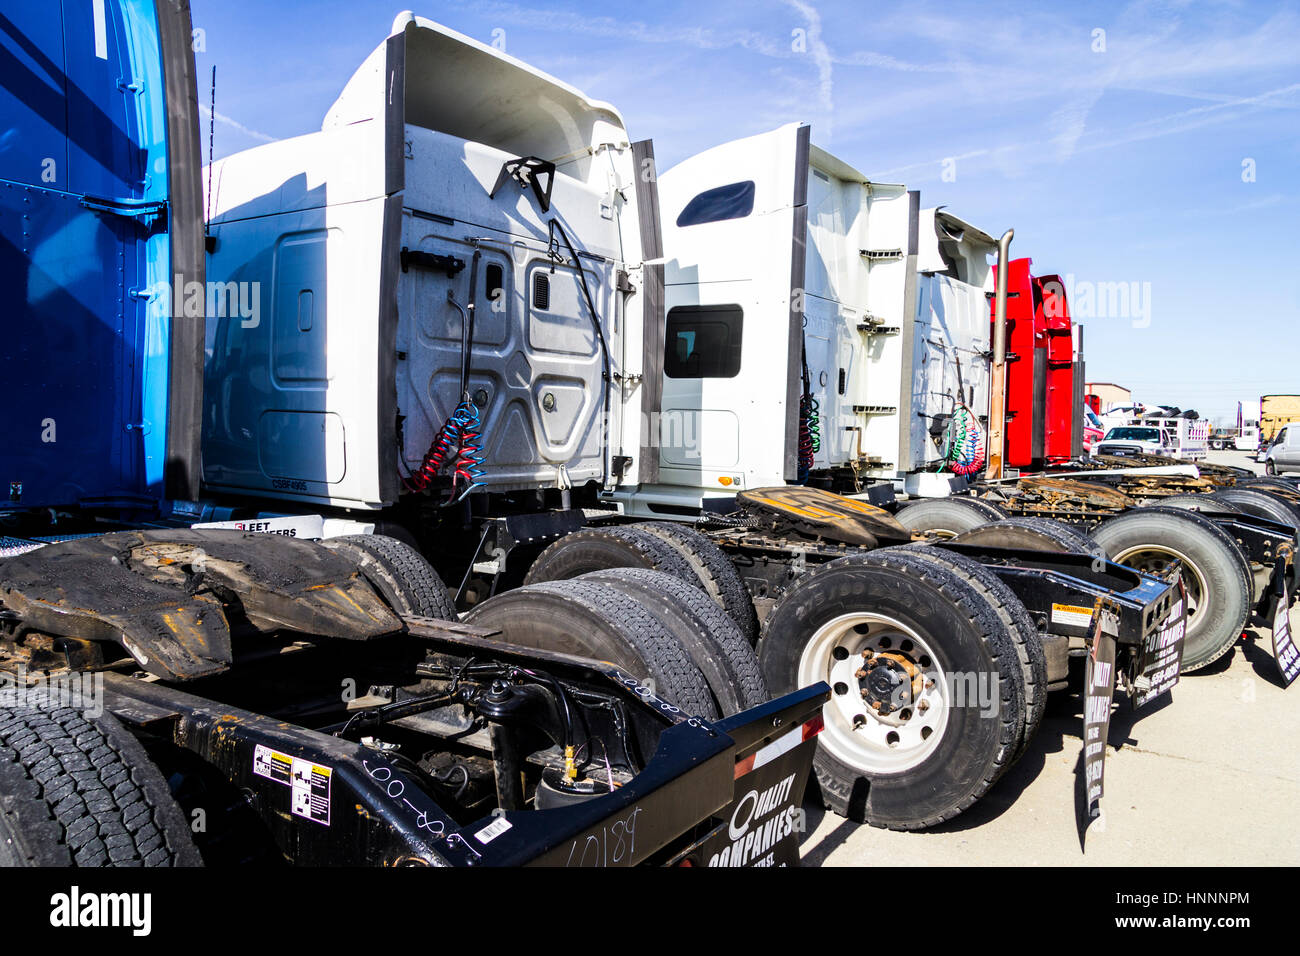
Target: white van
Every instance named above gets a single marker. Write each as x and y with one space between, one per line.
1283 454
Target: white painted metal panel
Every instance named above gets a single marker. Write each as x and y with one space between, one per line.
306 402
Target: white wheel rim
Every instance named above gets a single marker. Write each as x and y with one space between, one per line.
854 732
1153 559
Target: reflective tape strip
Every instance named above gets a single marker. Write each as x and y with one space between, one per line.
779 747
101 31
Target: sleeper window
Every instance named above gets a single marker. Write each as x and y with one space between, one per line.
735 201
703 341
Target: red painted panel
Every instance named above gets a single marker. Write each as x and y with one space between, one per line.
1054 318
1023 337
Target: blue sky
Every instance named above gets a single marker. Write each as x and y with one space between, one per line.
1164 153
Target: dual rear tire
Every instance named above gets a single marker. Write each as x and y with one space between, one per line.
79 790
948 517
928 691
948 696
681 581
1216 572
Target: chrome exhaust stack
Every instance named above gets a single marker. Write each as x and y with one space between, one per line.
998 376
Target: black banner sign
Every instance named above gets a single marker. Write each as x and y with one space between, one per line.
1098 692
1162 655
1284 649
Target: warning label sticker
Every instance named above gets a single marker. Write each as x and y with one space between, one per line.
1071 615
311 791
272 765
309 782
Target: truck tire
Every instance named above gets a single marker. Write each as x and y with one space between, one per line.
948 516
1289 487
1261 503
600 623
1020 626
710 636
915 766
1034 534
1196 503
401 575
990 509
76 791
717 575
598 549
1216 573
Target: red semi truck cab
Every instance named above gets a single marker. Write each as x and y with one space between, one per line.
1044 370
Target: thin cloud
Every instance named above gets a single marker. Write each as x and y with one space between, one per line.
564 21
821 55
774 45
1170 124
224 120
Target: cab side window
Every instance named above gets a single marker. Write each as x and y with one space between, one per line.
703 341
734 201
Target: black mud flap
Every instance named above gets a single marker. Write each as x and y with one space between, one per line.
1284 648
160 594
1098 693
1159 660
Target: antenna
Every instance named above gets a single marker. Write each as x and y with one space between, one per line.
212 130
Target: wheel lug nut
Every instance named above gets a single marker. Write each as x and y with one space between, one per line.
867 654
859 673
923 706
875 705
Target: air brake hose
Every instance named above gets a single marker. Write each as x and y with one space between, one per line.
964 445
810 441
467 325
555 224
461 435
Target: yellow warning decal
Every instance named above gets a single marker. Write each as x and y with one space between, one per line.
1072 615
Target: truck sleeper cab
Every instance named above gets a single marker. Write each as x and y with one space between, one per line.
843 366
483 198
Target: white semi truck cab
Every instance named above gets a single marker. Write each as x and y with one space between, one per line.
463 240
820 326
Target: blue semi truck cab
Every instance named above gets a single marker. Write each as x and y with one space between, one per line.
100 212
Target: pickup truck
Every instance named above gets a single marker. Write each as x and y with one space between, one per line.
1185 438
1134 440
